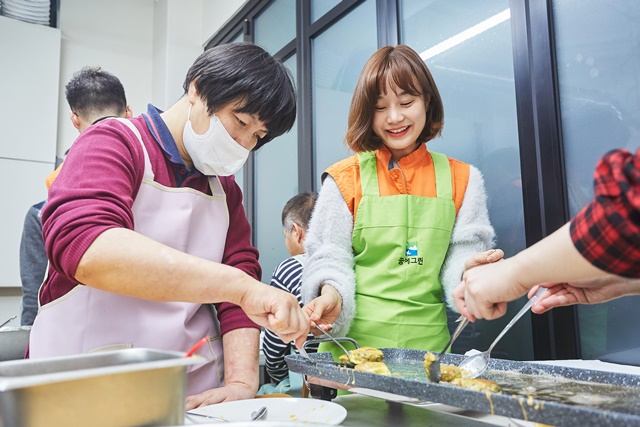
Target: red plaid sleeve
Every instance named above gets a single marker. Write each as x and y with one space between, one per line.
607 231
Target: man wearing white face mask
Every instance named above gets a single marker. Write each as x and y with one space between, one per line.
146 239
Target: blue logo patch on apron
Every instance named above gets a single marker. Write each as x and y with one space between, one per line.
412 249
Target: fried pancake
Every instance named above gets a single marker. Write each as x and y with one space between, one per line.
373 368
361 355
447 372
478 384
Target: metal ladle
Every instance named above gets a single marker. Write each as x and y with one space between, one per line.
476 364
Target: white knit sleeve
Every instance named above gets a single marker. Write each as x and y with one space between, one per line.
472 233
330 254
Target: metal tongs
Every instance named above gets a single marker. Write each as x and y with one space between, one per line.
336 343
434 369
330 338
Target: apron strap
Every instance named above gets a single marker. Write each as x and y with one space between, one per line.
443 175
369 173
217 190
148 171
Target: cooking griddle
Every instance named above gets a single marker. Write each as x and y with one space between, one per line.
555 395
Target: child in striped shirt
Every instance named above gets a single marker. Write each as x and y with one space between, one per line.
295 221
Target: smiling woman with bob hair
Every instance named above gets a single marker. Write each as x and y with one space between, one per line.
396 225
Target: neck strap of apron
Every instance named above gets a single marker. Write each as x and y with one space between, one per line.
369 174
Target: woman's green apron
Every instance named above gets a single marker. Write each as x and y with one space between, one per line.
400 243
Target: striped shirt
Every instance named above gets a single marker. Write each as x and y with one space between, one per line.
607 231
286 277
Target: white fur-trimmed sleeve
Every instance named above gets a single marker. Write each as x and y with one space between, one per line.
330 254
472 233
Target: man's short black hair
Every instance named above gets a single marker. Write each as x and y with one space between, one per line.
94 92
248 75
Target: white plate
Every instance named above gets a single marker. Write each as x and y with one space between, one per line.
278 410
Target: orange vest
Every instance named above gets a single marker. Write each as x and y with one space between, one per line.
416 176
52 176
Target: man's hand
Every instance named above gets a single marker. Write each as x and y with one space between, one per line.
325 309
227 393
277 311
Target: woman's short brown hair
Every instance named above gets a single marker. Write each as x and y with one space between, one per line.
407 72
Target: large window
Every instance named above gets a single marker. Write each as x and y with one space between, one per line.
467 47
534 93
320 7
275 164
599 81
336 67
275 26
276 169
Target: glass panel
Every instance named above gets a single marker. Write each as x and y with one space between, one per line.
276 169
467 46
598 63
275 26
336 67
239 176
320 7
237 38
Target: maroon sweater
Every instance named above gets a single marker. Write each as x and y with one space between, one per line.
96 190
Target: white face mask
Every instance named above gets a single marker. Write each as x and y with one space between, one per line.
215 152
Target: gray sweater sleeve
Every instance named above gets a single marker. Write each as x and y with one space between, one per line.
330 255
472 233
33 263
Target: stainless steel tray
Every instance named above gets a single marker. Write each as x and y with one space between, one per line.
13 342
134 387
554 395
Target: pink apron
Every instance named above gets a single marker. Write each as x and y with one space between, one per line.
87 319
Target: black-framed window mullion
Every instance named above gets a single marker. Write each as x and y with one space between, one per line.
237 21
332 16
305 105
555 334
387 17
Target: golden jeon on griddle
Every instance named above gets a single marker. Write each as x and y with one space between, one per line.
362 354
453 375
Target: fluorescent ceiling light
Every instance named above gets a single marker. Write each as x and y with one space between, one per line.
466 34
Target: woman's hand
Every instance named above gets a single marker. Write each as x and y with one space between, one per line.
325 309
482 258
584 292
486 289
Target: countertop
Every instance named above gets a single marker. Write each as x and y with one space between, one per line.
365 411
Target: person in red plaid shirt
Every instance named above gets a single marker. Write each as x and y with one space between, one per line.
593 258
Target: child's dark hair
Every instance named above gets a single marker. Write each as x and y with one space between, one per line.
246 74
402 68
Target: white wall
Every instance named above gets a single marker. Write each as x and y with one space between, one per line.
177 42
116 35
148 44
216 13
28 120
